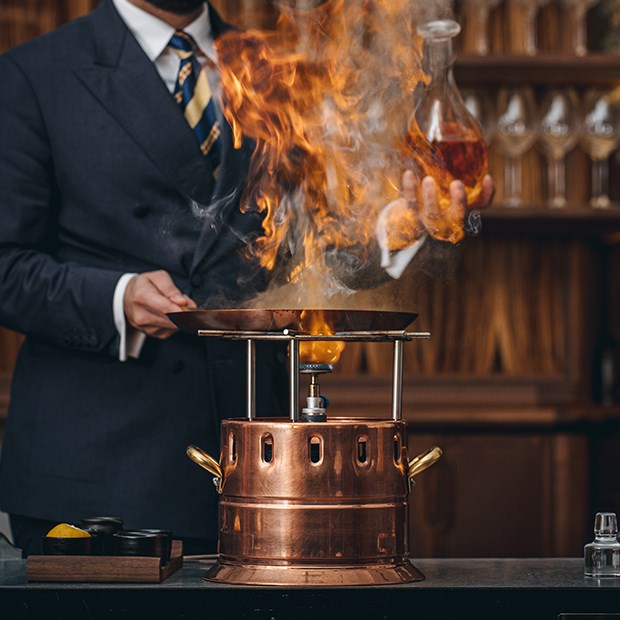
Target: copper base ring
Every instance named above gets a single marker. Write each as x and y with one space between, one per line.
320 576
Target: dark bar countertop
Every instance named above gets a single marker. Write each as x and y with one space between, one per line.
527 589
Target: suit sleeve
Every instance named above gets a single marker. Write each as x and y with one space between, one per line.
64 303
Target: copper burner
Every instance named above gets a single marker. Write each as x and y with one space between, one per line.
313 503
314 500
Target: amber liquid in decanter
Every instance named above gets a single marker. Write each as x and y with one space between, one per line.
465 156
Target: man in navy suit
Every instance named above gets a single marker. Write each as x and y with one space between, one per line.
101 177
103 189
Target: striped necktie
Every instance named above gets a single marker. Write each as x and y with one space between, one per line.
193 94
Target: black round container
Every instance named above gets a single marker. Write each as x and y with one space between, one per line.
165 537
102 525
90 545
103 528
138 543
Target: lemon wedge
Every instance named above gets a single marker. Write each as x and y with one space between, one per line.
64 530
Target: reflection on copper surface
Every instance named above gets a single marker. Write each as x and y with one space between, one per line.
327 501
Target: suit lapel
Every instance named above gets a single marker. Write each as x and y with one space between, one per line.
128 86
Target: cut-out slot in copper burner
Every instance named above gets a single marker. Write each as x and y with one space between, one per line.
313 500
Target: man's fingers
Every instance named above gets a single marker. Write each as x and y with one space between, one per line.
486 195
442 224
162 280
488 191
145 292
148 299
409 186
429 196
458 196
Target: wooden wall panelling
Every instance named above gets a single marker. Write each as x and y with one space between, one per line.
9 346
500 495
4 399
505 28
21 20
583 324
488 496
571 519
604 480
505 311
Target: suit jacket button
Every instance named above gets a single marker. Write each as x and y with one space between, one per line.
197 279
175 366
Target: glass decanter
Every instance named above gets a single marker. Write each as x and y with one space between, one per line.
455 146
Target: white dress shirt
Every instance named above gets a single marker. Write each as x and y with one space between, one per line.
153 35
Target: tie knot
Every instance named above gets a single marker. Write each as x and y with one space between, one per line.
182 42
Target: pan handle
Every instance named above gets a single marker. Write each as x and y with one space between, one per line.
206 461
421 462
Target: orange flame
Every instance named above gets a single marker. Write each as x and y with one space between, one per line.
317 351
327 98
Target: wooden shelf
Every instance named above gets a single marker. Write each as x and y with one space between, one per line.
574 221
370 395
542 70
469 403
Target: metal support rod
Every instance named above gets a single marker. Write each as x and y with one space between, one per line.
251 379
397 381
294 380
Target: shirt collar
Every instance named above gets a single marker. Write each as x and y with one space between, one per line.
153 34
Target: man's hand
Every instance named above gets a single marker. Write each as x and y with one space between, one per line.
459 218
458 198
401 224
148 298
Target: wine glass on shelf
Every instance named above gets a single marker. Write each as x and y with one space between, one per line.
522 19
558 134
599 137
575 12
480 107
516 132
476 25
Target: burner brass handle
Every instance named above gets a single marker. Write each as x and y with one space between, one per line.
206 461
423 461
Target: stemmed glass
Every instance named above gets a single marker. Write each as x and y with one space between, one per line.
476 30
558 134
481 108
515 134
575 11
523 25
600 134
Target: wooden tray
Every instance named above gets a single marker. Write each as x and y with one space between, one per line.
103 568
